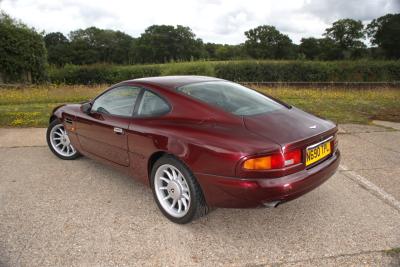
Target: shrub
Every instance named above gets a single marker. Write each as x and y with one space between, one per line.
192 68
22 52
95 74
309 71
240 71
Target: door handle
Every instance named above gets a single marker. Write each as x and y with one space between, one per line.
118 130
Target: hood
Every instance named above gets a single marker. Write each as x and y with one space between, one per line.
286 126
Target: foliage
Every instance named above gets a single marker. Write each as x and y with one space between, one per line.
22 51
247 70
385 32
94 45
310 47
88 55
347 34
192 68
266 42
58 47
164 43
100 73
225 51
309 71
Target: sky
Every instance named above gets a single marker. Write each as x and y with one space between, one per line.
217 21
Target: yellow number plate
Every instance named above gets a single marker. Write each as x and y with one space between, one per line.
315 154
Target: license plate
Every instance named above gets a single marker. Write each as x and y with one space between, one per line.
316 153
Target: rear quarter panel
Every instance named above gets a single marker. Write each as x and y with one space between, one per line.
205 147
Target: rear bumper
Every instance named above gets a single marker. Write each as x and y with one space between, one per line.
229 192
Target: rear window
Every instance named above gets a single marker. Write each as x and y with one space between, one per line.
231 97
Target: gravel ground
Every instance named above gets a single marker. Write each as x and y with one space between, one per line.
82 213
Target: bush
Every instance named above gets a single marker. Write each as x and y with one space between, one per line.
96 74
240 71
22 52
192 68
309 71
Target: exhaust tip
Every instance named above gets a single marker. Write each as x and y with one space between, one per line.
272 204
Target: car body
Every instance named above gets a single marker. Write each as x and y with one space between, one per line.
222 150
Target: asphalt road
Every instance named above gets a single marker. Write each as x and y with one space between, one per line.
81 213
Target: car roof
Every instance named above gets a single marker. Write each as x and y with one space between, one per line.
173 82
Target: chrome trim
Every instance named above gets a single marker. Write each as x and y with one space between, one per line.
118 130
319 143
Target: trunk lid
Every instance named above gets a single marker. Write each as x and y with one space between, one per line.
290 126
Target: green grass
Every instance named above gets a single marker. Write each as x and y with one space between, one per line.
393 251
343 105
32 106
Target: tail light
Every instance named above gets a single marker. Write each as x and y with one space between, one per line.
334 144
275 161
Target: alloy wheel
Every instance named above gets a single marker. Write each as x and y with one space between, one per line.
60 141
172 190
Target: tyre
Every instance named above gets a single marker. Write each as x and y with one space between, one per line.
176 191
58 141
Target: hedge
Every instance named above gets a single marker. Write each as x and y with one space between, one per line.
310 71
97 74
241 71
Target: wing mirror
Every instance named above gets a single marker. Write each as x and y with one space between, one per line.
86 107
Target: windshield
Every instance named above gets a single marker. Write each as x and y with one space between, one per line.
231 97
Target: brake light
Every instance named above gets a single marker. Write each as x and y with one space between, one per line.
292 157
334 144
275 161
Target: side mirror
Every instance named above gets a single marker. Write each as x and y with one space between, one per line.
86 107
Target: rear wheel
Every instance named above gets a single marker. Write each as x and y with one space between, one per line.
58 141
176 191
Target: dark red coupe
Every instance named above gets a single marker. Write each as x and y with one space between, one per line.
200 142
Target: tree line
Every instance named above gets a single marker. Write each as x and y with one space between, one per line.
24 50
165 43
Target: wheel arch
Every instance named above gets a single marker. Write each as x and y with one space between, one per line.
156 156
152 159
52 118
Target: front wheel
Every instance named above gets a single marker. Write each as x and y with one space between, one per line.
176 191
58 141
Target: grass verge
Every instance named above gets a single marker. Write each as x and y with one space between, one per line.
393 251
31 106
343 105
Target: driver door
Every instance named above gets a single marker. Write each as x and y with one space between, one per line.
102 132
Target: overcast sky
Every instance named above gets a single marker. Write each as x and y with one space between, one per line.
220 21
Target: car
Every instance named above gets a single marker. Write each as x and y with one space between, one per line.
200 143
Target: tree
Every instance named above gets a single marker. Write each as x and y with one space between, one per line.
55 38
348 35
211 49
22 52
385 32
329 50
58 49
266 42
230 52
224 51
310 47
121 48
163 43
94 45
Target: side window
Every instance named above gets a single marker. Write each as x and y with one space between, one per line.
119 101
152 105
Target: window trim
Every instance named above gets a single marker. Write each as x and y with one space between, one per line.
156 115
135 104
